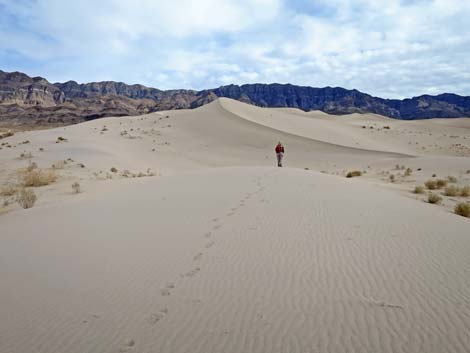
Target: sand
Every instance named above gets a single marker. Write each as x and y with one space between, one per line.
222 252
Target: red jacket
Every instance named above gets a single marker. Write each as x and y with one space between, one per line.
279 149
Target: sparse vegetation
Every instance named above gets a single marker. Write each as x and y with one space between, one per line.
354 173
6 134
61 139
408 172
37 177
8 190
418 190
76 188
452 190
462 209
434 198
434 175
431 184
465 191
59 164
392 178
441 183
451 179
26 155
26 198
113 170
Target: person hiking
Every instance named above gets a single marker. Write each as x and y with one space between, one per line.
279 153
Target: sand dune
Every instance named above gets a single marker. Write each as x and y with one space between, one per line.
222 252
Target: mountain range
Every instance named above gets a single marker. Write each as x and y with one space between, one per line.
26 100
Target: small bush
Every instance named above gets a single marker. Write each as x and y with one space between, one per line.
76 188
452 179
59 164
408 172
26 198
26 155
434 198
354 173
441 183
37 178
462 209
392 178
418 190
113 170
8 190
31 166
434 175
61 139
431 184
452 190
6 134
465 191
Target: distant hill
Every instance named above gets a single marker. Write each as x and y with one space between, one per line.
28 100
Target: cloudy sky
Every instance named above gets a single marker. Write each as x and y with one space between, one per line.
388 48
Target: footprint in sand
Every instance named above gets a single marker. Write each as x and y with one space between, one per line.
192 272
156 317
210 245
126 347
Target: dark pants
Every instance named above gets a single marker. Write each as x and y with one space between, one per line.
279 159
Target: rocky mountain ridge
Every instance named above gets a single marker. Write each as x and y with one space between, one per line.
28 100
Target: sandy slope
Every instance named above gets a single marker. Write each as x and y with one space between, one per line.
221 252
235 260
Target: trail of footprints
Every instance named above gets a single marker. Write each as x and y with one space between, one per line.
156 317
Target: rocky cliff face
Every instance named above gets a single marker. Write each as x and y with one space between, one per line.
34 101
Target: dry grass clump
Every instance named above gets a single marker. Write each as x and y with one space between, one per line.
392 178
452 190
26 155
434 198
26 198
462 209
8 190
31 166
408 172
61 139
465 191
354 173
76 188
37 177
451 179
113 170
418 190
59 164
431 184
441 183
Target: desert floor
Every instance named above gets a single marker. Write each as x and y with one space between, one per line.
196 242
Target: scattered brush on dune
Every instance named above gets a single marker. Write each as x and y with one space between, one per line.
435 184
76 188
6 134
8 190
434 198
462 209
452 179
354 173
441 183
37 177
418 190
26 198
465 191
452 190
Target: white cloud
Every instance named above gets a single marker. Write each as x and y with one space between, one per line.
392 48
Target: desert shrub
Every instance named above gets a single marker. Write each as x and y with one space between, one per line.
452 179
452 190
431 184
418 190
434 175
387 127
434 198
465 191
392 178
26 198
76 188
354 173
462 209
81 165
8 190
113 170
408 171
441 183
41 149
38 177
61 139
